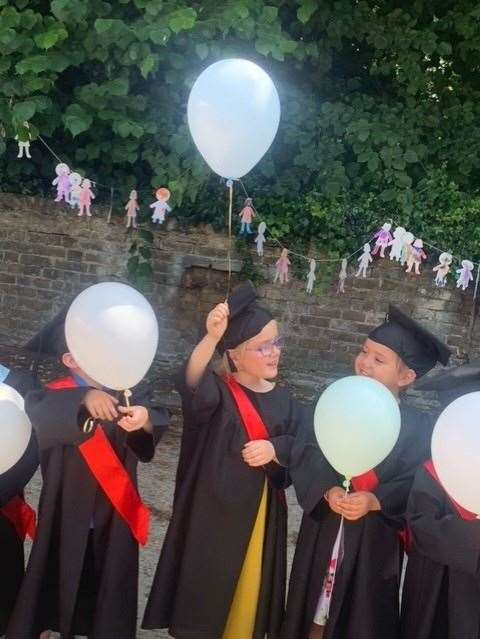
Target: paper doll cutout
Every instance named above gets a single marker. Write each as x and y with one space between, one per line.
260 239
24 146
62 182
75 188
131 208
383 239
246 216
407 247
86 197
396 244
311 277
364 261
465 275
342 276
160 207
417 254
442 269
281 270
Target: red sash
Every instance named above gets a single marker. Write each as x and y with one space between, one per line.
111 475
253 423
369 482
22 517
463 512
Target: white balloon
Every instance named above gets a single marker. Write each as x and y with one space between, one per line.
233 115
357 423
112 332
8 393
456 450
15 433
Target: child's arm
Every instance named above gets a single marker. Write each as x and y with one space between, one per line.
196 383
312 476
443 537
58 416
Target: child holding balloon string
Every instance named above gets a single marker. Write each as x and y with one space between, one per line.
222 568
441 593
82 573
364 600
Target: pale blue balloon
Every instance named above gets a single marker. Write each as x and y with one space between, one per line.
357 423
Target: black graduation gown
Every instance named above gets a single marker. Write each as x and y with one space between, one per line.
216 504
12 483
79 579
441 594
365 601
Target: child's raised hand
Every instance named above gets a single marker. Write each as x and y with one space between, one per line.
134 418
101 405
258 453
335 498
217 321
357 505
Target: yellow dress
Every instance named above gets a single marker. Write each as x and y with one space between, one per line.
241 618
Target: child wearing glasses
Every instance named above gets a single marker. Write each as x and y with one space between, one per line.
222 568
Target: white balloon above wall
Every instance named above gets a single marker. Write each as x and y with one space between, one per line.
233 115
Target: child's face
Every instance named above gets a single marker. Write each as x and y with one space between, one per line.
69 362
381 363
259 356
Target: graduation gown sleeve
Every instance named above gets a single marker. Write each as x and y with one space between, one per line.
56 416
140 442
198 404
310 471
442 536
411 450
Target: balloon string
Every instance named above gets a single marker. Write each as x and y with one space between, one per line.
229 251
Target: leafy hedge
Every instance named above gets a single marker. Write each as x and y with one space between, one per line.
379 107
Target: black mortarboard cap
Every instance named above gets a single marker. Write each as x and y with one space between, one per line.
246 318
50 340
417 347
453 383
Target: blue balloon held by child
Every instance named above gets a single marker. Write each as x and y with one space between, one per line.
357 423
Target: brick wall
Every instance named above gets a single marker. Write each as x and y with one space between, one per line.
47 255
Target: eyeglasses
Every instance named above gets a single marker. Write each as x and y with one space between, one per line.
267 348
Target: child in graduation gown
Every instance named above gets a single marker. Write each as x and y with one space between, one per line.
221 573
82 575
17 519
360 600
441 593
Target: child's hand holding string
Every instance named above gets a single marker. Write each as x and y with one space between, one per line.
357 505
217 321
101 405
134 418
335 498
